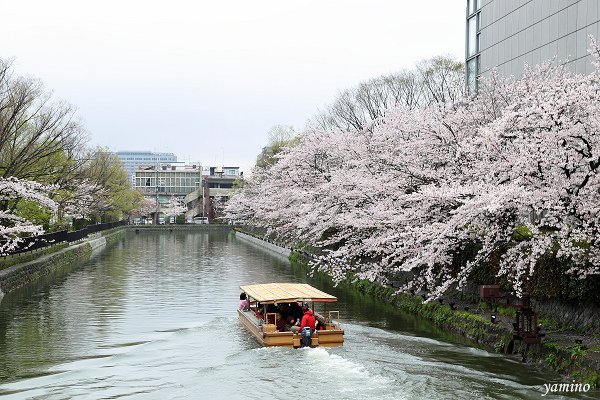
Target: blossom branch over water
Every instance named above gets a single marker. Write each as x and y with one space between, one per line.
511 174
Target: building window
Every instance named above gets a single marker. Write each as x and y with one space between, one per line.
473 44
472 74
472 6
471 36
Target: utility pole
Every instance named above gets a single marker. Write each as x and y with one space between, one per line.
156 213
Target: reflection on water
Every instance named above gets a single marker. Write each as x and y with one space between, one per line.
156 317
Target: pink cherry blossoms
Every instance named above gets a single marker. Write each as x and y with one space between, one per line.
13 227
174 207
147 207
511 174
86 198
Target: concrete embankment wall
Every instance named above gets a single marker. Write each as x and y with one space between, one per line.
19 275
264 244
180 227
585 316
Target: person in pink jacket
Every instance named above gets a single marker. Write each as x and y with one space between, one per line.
244 303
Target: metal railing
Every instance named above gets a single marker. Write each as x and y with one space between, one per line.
49 239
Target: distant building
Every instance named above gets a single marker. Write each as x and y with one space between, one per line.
217 184
204 190
133 159
506 34
161 181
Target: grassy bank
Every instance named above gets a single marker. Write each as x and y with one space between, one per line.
569 359
21 258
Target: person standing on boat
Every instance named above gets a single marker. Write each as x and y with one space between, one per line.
308 319
307 326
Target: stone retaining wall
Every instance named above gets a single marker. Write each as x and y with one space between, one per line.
21 274
265 245
586 317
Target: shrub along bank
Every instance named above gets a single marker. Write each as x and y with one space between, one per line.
575 360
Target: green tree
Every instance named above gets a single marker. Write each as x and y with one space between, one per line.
99 190
34 213
117 199
280 137
39 138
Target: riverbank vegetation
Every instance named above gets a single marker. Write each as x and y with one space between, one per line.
427 195
570 353
49 178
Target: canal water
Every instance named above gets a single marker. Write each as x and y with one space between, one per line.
155 318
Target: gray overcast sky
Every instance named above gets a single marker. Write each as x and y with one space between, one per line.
207 80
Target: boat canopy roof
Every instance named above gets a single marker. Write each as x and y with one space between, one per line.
286 293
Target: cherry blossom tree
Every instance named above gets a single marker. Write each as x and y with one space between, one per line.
147 207
174 207
511 174
83 200
12 227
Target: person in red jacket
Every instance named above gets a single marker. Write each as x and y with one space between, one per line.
307 327
308 319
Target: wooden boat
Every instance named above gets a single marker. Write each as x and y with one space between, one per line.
285 298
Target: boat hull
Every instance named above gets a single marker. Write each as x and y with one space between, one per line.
266 335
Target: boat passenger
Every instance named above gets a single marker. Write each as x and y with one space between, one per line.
244 303
319 325
280 323
308 319
258 312
289 324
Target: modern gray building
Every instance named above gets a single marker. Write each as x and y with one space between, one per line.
133 159
506 34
